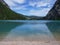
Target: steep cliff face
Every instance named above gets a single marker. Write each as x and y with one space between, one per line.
54 13
3 2
7 14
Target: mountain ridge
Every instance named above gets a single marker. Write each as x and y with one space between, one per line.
7 14
54 13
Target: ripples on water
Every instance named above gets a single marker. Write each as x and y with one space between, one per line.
29 30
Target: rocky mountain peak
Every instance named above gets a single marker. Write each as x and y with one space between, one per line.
3 2
54 13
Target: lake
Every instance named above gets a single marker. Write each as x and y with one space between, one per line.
29 30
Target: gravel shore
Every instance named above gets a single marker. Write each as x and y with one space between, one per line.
29 43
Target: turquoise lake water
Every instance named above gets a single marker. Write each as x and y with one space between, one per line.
29 30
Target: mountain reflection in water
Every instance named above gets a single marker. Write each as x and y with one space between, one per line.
36 31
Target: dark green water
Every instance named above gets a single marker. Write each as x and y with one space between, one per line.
29 30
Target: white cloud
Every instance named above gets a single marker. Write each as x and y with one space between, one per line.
10 3
42 12
34 3
20 8
19 1
38 3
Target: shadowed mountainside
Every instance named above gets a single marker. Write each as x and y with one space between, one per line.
54 13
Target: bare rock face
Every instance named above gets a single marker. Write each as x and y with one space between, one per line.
2 2
54 13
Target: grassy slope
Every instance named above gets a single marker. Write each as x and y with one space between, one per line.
7 14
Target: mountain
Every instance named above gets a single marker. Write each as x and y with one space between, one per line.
54 13
34 18
7 14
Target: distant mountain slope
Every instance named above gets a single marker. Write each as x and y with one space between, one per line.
7 14
54 13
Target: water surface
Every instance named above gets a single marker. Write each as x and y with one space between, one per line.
29 30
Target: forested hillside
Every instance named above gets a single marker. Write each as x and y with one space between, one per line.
7 14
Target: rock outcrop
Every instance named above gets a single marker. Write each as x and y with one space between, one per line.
54 13
2 1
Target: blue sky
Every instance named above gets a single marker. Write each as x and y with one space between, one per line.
31 7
